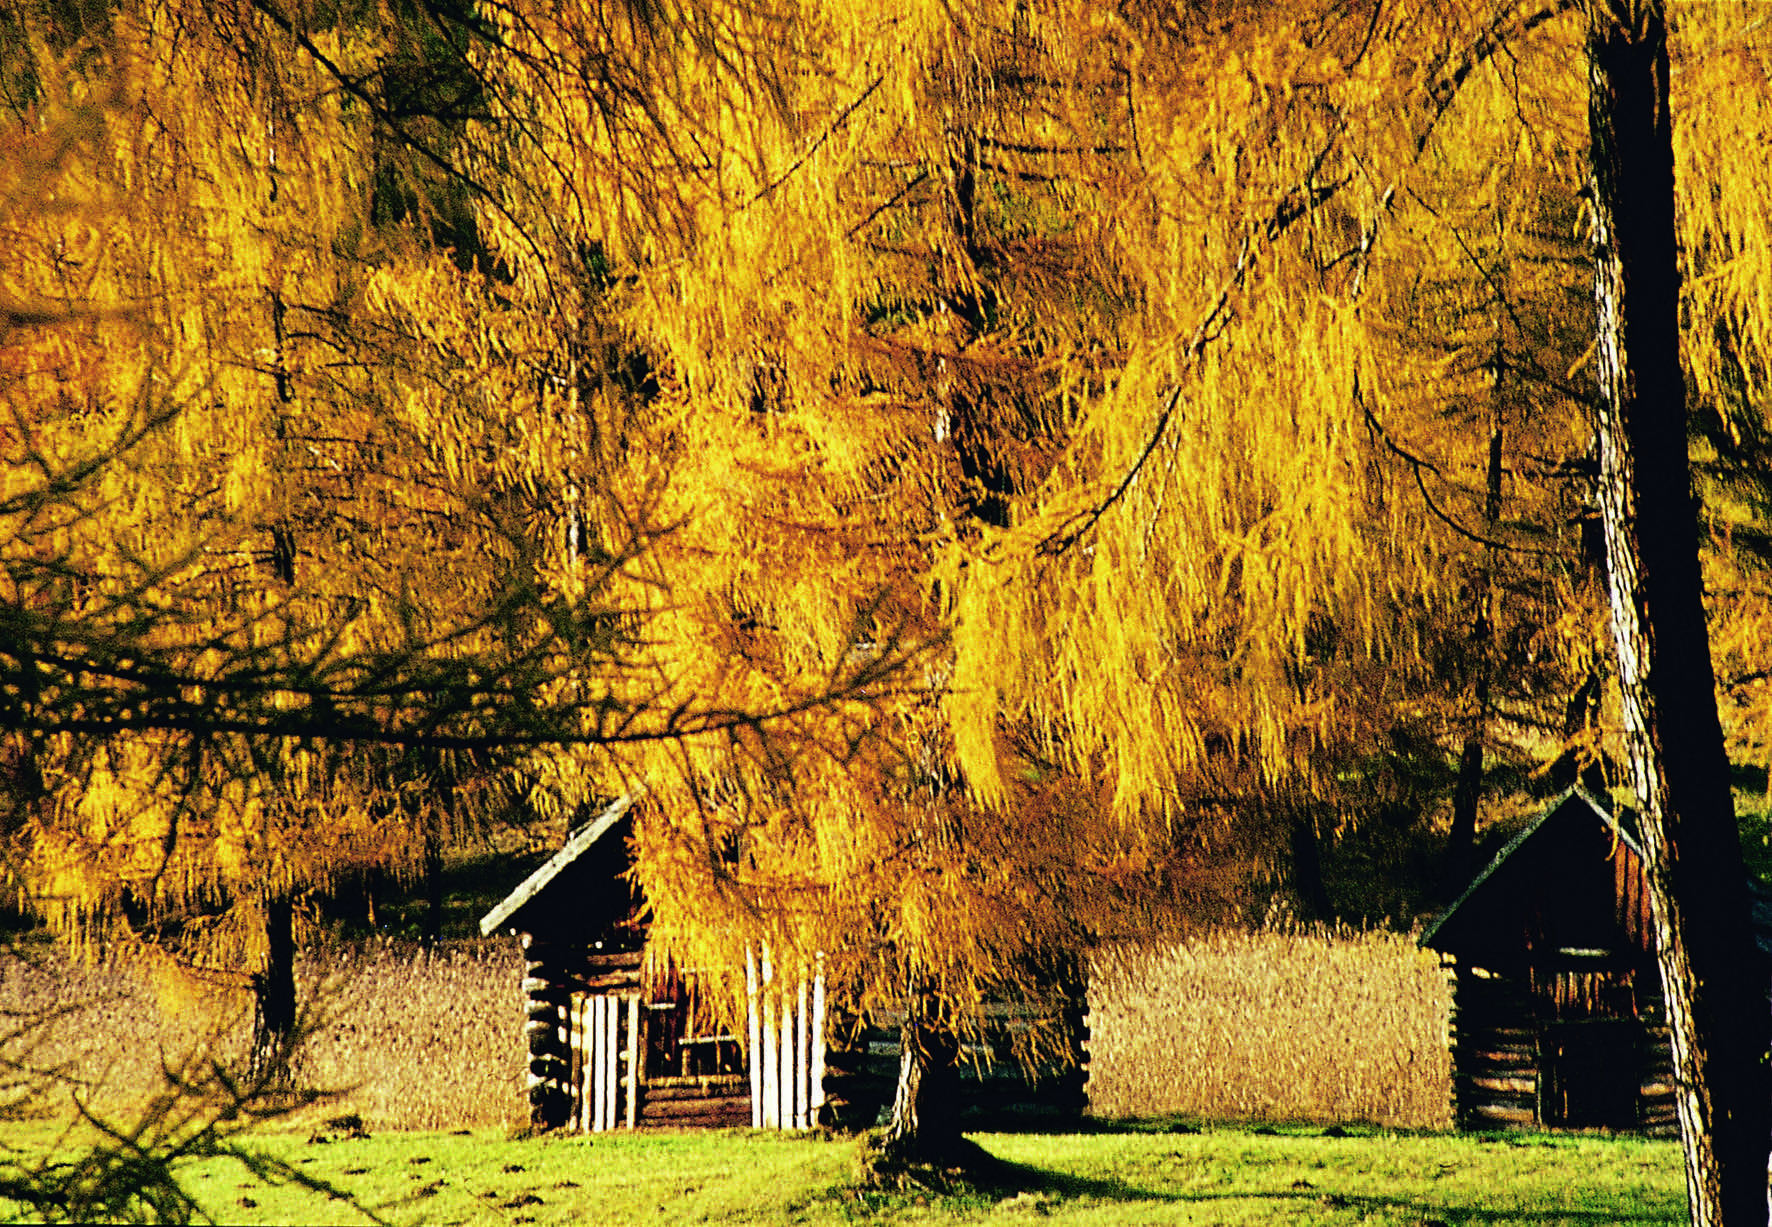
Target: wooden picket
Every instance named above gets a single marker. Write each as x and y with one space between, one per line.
785 1026
604 1041
785 1029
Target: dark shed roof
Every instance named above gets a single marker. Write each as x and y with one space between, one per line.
1570 882
580 890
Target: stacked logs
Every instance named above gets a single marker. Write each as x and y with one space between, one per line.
547 991
553 973
997 1090
702 1101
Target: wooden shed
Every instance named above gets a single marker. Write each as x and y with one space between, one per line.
614 1038
618 1038
1557 1016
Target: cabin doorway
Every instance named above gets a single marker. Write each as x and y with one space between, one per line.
1590 1074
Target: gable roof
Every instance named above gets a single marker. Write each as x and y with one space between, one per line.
1576 805
532 887
1478 921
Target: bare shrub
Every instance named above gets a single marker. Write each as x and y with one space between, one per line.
1272 1026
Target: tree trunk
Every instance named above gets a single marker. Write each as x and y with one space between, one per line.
1580 714
273 989
1467 795
925 1125
1467 792
1312 895
433 890
1714 979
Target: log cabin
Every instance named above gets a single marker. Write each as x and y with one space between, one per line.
1558 1019
616 1037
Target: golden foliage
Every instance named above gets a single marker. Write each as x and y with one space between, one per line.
986 462
1137 373
281 495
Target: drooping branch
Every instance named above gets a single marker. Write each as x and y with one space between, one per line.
1062 539
1308 194
1418 467
830 129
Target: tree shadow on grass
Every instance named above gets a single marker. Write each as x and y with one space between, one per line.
1004 1179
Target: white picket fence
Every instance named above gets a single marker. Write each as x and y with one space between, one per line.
604 1033
785 1034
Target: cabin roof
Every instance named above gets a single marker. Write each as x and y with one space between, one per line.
1468 912
1550 857
523 902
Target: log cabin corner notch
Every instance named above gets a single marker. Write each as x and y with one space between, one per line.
1557 1012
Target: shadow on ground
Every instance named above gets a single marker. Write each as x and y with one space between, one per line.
987 1178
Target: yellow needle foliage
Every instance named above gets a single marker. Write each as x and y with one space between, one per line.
1134 370
1017 454
279 520
1721 100
157 235
1188 385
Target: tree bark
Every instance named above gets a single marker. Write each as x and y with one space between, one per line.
433 932
273 989
1467 792
925 1124
1714 979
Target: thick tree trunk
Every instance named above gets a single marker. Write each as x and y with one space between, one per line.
1714 980
925 1124
273 989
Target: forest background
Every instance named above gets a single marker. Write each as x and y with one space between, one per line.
998 477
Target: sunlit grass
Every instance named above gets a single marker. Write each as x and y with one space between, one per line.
1218 1175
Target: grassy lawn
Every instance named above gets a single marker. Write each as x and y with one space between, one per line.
1221 1175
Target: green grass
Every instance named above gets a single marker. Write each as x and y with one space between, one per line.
1220 1175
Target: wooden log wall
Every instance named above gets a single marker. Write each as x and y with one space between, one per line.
997 1091
557 977
547 992
612 1089
721 1101
603 1037
1656 1114
1494 1053
587 1052
1499 1037
588 1026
